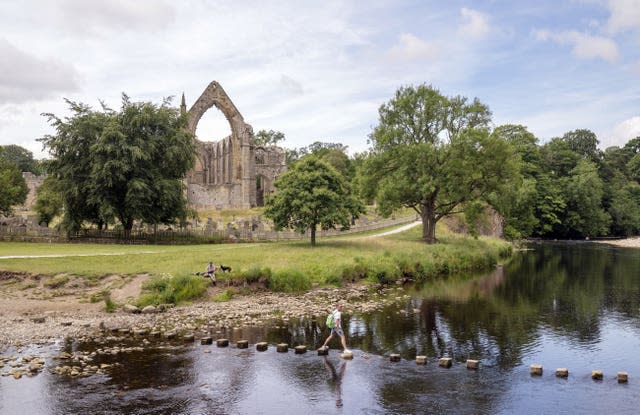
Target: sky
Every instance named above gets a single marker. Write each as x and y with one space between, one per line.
319 70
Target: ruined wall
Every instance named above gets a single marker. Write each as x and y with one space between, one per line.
230 173
33 183
224 174
270 163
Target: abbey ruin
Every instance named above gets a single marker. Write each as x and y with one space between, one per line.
232 172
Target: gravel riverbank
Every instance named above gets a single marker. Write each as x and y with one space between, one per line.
42 325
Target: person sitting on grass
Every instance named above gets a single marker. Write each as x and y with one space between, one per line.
211 272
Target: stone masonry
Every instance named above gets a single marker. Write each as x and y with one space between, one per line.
226 175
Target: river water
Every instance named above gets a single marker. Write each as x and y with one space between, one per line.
572 305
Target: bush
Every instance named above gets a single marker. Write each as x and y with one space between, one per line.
289 281
109 305
168 289
355 272
56 282
224 296
255 274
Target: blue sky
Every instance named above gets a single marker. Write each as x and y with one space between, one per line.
320 70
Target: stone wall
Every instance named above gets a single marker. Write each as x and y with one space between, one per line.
224 175
270 163
33 183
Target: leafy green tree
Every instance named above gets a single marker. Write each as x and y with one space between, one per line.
13 188
312 194
517 204
585 190
49 201
625 210
435 155
333 153
558 159
268 138
127 165
20 157
551 206
583 142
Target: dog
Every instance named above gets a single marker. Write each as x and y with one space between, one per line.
225 268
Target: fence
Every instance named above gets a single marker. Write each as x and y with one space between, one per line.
25 233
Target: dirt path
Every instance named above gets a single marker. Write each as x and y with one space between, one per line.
398 230
75 255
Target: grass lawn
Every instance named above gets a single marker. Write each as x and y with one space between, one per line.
330 261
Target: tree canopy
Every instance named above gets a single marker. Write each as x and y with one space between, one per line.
436 155
20 157
312 194
49 201
268 138
125 164
13 188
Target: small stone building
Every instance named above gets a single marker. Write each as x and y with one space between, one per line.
232 172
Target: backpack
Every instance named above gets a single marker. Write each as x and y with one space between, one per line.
330 321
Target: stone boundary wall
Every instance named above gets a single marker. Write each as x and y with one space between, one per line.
42 234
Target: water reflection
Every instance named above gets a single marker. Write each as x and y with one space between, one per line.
335 380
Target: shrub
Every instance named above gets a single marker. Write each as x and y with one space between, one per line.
289 281
168 289
333 280
56 282
355 272
224 296
109 305
255 274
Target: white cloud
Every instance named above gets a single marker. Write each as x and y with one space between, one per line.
26 77
412 48
625 15
96 16
625 131
291 86
475 24
584 46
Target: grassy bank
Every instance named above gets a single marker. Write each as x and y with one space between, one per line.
285 266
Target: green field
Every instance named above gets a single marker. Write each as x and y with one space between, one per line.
332 260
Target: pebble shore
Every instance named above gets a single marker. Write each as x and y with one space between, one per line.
20 330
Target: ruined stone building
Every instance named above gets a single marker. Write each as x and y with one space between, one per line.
232 172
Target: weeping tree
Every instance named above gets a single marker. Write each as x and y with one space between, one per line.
126 165
435 155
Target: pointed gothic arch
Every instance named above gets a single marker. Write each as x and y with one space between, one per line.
229 162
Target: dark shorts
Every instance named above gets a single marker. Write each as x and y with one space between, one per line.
338 331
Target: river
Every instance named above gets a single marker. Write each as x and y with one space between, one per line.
560 305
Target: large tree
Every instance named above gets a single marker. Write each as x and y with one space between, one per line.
268 138
312 194
49 201
584 190
435 154
13 188
125 164
20 157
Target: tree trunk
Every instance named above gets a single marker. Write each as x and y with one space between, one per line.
127 225
313 235
428 217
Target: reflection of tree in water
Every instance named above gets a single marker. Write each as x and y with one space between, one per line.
493 317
